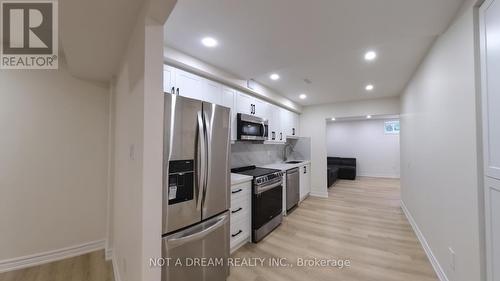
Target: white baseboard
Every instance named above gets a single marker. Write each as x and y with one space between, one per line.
375 175
434 262
108 254
319 194
50 256
116 272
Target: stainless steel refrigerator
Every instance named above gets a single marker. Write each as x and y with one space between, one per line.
196 188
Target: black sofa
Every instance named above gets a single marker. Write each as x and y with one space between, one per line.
340 168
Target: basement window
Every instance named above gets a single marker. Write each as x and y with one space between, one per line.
391 127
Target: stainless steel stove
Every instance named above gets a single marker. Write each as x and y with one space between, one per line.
267 199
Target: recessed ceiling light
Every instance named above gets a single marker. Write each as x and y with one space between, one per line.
209 42
274 76
333 118
369 87
368 117
303 96
370 55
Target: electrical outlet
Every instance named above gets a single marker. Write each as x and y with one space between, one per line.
452 258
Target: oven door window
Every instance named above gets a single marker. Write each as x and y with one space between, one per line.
266 206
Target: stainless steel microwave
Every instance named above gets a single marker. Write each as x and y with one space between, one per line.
251 128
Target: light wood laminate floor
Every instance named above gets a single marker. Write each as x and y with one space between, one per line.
89 267
361 221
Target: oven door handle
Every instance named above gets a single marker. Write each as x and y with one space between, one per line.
259 190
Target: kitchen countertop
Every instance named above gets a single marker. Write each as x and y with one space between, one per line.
284 166
239 178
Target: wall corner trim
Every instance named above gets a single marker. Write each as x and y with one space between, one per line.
430 255
108 254
51 256
116 272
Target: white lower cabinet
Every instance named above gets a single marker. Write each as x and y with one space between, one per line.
241 214
305 181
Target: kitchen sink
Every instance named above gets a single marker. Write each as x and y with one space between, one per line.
293 162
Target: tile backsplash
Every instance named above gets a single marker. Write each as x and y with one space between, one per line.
248 153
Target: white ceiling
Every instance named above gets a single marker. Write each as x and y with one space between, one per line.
321 40
94 34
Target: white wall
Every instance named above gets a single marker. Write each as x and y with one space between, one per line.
439 158
313 125
136 231
53 153
376 153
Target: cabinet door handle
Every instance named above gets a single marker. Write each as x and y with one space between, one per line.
293 131
237 210
273 135
237 191
173 91
237 233
178 91
305 169
281 136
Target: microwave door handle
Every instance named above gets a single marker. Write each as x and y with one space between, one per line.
206 228
201 160
263 130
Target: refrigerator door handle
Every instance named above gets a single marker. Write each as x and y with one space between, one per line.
206 228
208 167
201 155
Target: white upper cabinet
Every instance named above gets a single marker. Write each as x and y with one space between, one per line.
188 85
168 79
244 103
212 91
261 109
274 122
295 124
228 97
253 106
286 122
282 122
